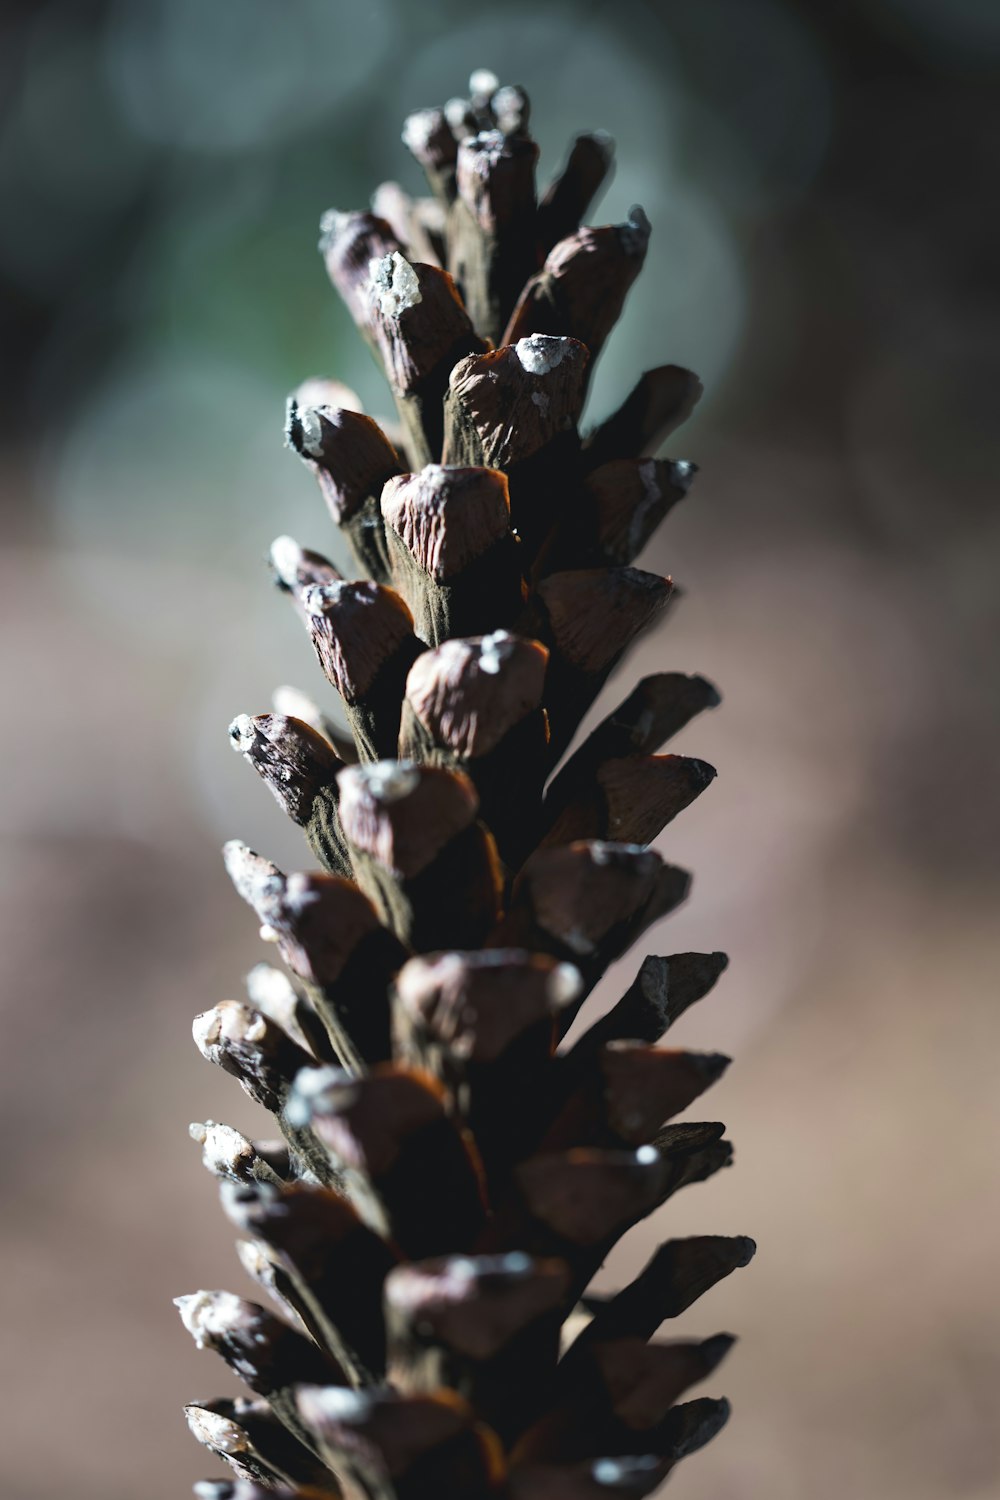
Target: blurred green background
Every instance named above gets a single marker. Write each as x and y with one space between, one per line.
821 182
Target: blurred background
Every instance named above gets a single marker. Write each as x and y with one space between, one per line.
822 185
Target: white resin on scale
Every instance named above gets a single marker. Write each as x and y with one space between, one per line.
310 431
540 353
389 780
493 651
208 1316
394 285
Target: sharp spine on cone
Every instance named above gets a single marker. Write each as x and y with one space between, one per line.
446 1181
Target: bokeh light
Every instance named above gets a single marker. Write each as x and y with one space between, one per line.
240 73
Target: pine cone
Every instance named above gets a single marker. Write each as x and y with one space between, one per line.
447 1183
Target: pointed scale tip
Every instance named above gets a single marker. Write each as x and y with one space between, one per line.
694 1424
225 1152
588 1197
475 1304
475 1004
294 761
215 1431
429 138
511 108
210 1316
715 1349
356 627
257 880
447 517
296 569
470 692
516 400
347 451
594 613
402 814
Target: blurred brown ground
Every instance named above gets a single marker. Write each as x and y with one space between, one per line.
839 554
